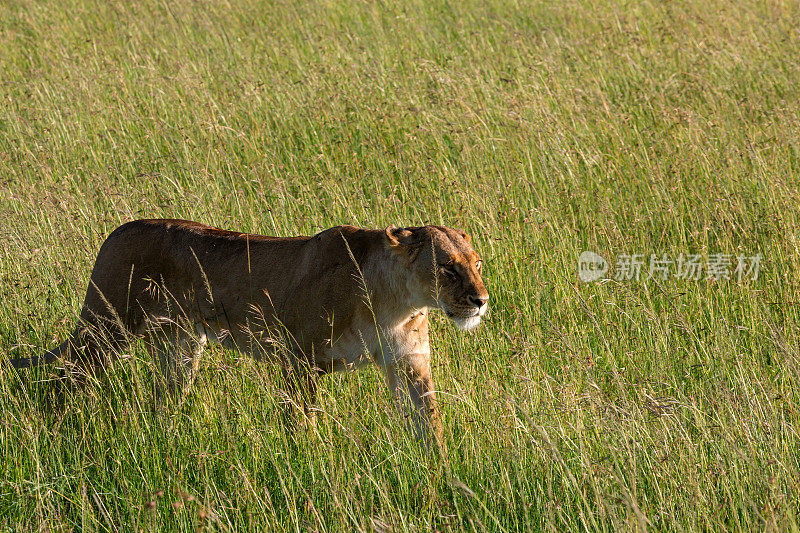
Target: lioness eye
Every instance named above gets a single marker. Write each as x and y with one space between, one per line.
479 265
449 271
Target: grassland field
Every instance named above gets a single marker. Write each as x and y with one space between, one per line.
544 129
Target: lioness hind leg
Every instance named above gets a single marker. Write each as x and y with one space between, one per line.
85 355
176 354
192 351
300 386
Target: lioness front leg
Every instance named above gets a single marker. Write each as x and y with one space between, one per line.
409 379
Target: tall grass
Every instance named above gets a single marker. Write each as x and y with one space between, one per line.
543 129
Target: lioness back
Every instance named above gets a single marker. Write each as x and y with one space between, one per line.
150 266
159 270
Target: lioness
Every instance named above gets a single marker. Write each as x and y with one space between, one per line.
317 304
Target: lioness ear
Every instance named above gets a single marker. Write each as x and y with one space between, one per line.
465 236
402 241
396 236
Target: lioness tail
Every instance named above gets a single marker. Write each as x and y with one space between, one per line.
47 359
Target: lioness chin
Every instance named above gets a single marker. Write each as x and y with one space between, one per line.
316 305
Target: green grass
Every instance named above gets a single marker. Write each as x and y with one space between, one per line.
543 129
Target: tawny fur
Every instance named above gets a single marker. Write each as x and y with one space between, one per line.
330 302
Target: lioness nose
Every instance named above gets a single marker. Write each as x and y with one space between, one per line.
477 301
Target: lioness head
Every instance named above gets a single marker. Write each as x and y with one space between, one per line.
444 271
